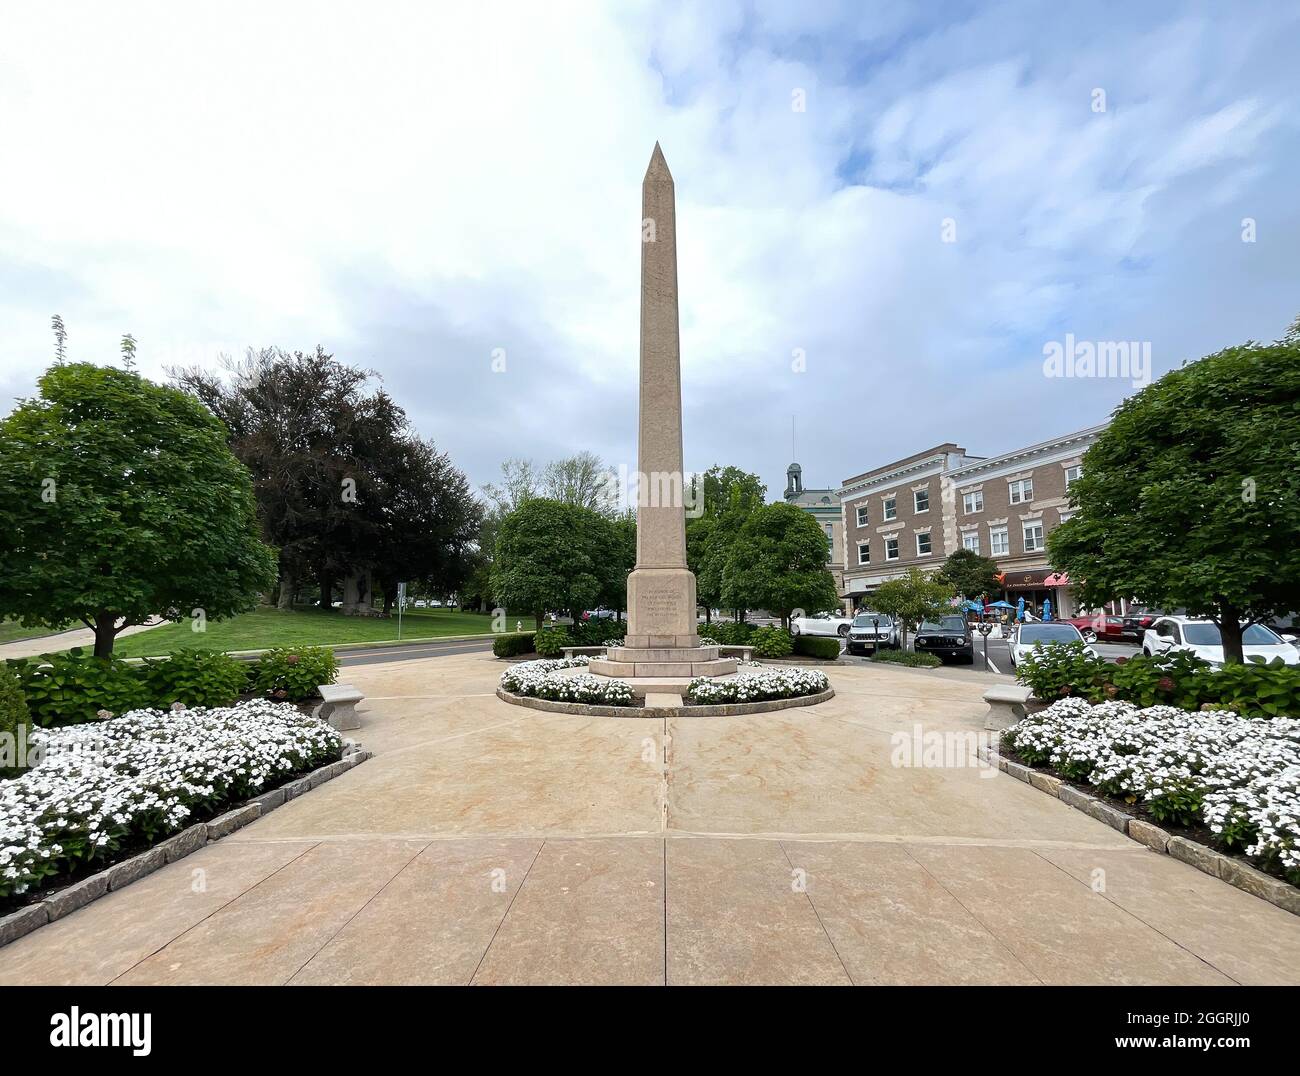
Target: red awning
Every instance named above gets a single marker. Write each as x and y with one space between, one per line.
1057 579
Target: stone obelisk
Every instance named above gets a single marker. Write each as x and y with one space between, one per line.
662 640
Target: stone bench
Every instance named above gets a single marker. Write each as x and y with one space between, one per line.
744 653
1006 705
573 651
339 706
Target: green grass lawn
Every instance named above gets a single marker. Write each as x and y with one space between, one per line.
265 628
11 631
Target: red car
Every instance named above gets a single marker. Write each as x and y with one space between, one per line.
1100 627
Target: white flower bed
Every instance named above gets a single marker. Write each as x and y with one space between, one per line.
790 683
1238 776
116 784
538 680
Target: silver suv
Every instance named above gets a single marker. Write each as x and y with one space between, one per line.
871 631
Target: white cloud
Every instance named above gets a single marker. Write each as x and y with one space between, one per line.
415 186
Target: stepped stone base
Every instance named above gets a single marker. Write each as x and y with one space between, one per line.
636 662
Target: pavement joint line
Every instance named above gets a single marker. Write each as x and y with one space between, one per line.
986 928
364 905
506 914
471 695
312 844
813 905
444 739
1133 915
243 837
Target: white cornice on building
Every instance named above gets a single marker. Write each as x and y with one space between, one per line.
1009 464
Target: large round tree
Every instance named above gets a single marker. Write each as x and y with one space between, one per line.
122 502
1190 499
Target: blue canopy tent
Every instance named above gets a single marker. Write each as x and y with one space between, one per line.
999 605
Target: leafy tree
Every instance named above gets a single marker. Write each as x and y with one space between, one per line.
122 502
726 497
777 562
552 556
519 482
345 487
913 598
581 479
1190 498
969 574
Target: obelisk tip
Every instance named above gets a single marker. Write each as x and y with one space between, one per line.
658 166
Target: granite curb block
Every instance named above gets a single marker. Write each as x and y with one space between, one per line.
68 899
1233 871
728 709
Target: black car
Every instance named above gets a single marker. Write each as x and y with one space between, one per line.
947 637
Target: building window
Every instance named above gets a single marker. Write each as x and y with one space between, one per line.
1071 473
1021 491
864 552
863 520
1065 515
891 549
1034 538
921 500
971 541
998 544
923 544
891 508
973 502
830 542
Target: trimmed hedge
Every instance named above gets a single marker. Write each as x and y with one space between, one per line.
514 644
907 657
816 646
74 688
15 723
1180 679
730 632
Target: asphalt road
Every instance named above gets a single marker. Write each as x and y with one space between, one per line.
999 655
431 649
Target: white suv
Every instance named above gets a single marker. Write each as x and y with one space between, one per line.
1201 637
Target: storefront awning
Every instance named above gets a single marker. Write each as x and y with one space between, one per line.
1057 579
1034 580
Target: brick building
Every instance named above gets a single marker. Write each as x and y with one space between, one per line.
915 511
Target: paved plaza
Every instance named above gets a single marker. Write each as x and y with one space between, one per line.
487 843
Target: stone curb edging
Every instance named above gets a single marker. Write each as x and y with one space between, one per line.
1227 869
725 709
67 900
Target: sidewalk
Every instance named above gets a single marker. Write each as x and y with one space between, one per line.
50 644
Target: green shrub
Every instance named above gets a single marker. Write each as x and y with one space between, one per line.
596 631
907 657
15 723
772 642
1063 669
71 688
293 673
512 645
1179 679
731 632
550 642
196 678
817 646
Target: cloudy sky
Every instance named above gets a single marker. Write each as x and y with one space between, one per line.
419 187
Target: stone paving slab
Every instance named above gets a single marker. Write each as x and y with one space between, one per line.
892 922
269 933
432 923
106 939
1062 931
589 912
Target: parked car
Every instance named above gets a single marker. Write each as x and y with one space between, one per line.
1028 637
1202 638
821 624
1138 619
1100 626
947 637
420 603
871 631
